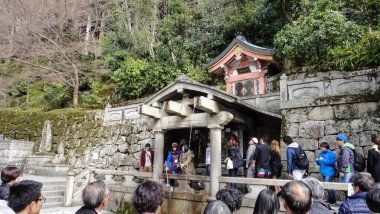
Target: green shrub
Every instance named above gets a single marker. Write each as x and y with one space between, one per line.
57 96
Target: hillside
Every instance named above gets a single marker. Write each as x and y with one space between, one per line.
87 53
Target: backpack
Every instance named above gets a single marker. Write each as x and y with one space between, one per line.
359 162
300 160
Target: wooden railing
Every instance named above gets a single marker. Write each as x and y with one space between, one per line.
76 184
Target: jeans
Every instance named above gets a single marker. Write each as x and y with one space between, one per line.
208 169
331 193
233 173
347 177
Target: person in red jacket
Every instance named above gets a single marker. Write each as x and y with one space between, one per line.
147 159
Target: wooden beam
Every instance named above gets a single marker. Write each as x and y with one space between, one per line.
150 111
207 105
177 109
176 122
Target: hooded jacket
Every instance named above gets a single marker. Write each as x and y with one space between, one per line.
355 204
320 207
327 163
290 154
345 160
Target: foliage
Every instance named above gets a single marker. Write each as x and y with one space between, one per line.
365 53
310 38
57 96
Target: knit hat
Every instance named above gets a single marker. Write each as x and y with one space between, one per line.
175 144
255 140
341 137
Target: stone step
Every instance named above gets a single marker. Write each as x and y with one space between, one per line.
54 183
54 199
53 187
53 193
54 204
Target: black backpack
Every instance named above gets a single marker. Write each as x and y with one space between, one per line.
300 160
359 162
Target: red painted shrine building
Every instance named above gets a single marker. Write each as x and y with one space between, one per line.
245 67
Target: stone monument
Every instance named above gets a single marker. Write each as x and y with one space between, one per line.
60 157
47 137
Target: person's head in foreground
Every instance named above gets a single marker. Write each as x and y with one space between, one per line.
232 197
315 186
148 197
297 197
94 197
373 200
10 175
217 207
362 182
25 197
267 202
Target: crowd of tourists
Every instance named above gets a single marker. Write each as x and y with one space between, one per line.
301 195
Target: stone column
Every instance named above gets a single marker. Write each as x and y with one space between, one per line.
158 155
283 88
216 159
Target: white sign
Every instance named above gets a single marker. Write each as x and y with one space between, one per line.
350 190
95 156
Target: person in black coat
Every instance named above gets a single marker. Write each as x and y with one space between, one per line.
373 162
261 158
275 162
233 154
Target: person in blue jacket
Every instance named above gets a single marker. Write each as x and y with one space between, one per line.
326 160
173 163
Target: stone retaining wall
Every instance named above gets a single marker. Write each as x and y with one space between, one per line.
84 135
318 107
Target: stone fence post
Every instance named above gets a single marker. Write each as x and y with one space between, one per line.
69 188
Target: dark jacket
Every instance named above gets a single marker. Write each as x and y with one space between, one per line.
85 210
275 164
373 163
4 192
345 160
142 158
262 156
355 204
320 207
233 153
327 163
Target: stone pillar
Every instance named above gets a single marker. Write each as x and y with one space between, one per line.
158 155
216 159
283 88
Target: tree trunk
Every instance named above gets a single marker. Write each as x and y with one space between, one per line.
87 38
75 87
153 29
128 14
287 15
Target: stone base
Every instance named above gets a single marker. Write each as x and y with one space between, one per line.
254 191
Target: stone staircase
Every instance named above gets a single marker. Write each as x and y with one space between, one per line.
53 189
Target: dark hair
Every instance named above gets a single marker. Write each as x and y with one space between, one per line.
373 200
9 174
185 147
24 193
234 137
287 140
364 181
265 138
217 207
94 193
232 197
324 145
148 197
267 202
297 196
373 139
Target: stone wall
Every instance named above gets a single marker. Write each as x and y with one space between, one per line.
84 135
318 106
